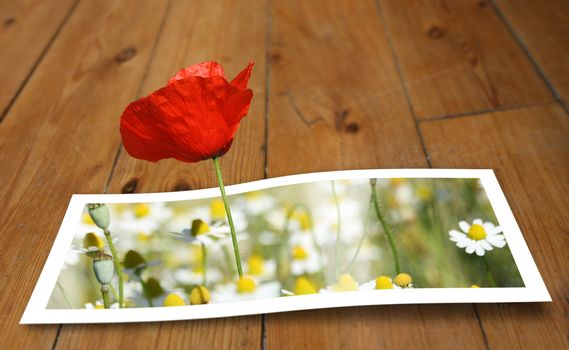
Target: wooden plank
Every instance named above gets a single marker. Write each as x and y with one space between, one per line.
60 137
233 33
336 102
26 29
459 57
528 149
543 29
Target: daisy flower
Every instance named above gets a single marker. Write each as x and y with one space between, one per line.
478 237
401 281
344 283
144 218
302 286
259 267
304 260
246 288
201 233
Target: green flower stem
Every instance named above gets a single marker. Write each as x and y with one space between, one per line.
360 243
489 276
117 266
338 228
385 226
105 292
229 217
204 265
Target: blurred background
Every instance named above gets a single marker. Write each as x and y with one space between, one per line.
315 231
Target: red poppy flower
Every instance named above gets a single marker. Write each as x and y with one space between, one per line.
194 117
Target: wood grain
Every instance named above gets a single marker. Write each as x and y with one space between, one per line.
458 57
62 139
224 333
336 102
22 43
543 28
528 149
232 33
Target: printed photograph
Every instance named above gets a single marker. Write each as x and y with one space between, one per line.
311 238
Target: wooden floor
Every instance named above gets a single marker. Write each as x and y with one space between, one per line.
338 85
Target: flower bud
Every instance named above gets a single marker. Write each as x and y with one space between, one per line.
99 214
199 295
104 268
403 280
345 283
383 282
246 285
304 286
173 299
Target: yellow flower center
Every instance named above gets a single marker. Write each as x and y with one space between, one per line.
252 194
255 264
92 240
143 237
173 299
303 219
396 181
141 210
345 283
477 232
99 305
217 209
199 295
87 219
299 253
383 282
246 285
474 286
403 280
304 286
199 227
424 193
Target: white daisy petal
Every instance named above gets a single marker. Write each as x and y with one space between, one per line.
479 250
497 241
464 226
477 221
497 230
463 243
456 234
470 247
486 245
488 226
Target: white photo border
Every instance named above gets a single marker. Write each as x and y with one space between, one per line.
534 291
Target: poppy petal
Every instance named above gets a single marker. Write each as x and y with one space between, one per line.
193 118
241 80
184 120
204 70
237 106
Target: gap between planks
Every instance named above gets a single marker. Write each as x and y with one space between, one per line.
38 61
152 53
